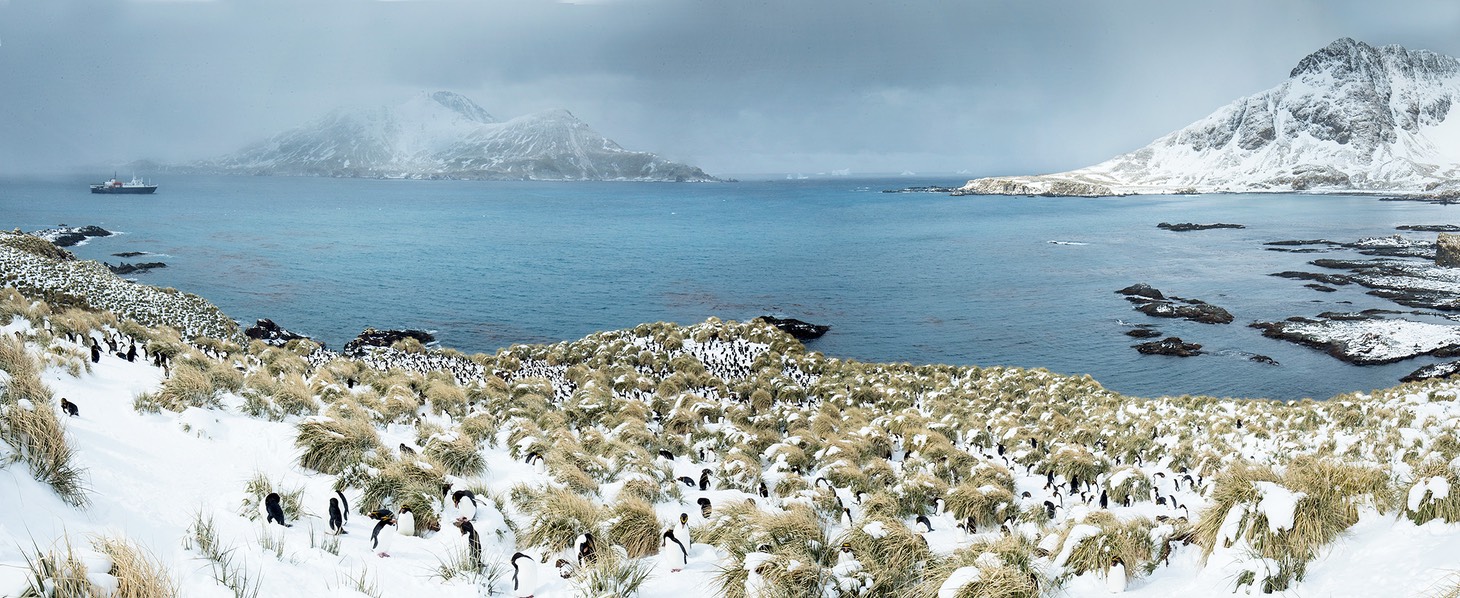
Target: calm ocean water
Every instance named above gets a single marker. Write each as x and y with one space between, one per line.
921 278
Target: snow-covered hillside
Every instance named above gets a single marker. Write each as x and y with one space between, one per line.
780 471
1350 117
446 135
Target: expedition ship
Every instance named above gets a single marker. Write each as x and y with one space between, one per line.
115 186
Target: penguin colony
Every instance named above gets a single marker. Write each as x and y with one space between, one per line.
912 472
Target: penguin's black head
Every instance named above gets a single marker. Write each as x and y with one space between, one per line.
846 546
704 502
684 517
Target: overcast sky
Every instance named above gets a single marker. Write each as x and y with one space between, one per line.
733 86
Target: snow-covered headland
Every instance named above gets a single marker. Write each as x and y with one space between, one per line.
1351 118
796 474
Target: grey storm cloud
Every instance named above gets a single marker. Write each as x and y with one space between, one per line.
732 86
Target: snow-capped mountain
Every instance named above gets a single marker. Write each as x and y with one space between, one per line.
1350 117
446 135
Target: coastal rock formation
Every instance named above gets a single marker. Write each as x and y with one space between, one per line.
124 268
69 236
1195 310
269 332
445 135
1190 226
803 331
1350 117
1434 370
1172 346
384 338
1447 250
1368 340
1143 290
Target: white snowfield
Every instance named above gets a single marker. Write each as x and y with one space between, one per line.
1350 118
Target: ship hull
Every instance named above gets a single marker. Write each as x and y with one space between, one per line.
125 190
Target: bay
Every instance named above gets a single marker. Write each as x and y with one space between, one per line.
920 278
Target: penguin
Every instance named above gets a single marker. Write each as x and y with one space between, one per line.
275 509
95 352
668 456
70 408
674 556
1115 577
844 556
383 535
406 450
344 506
587 548
846 517
132 353
923 524
337 519
764 491
405 523
704 480
539 465
468 507
524 576
473 544
1104 500
704 507
1049 509
681 531
687 481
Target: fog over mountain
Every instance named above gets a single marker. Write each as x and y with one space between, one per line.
799 86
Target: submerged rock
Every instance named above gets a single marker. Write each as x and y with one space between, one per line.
803 331
1192 309
125 268
269 332
1143 332
1171 345
1142 289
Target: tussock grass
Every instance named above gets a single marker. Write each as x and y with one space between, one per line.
458 454
1130 541
613 574
895 561
28 423
258 487
334 445
59 573
139 574
633 525
413 482
559 516
1432 507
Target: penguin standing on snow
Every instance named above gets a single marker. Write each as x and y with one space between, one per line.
1115 577
672 552
405 523
466 503
923 524
95 352
704 507
275 510
337 518
681 531
473 544
344 506
524 576
383 535
70 408
704 479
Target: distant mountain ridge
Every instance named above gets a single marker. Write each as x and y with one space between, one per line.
446 135
1350 118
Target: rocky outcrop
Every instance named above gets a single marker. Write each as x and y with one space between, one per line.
1447 250
1172 346
1188 309
1435 370
803 331
1049 186
1190 226
384 338
124 268
270 333
69 236
1142 290
1367 340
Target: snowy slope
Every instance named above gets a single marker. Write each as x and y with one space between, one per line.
446 135
1350 117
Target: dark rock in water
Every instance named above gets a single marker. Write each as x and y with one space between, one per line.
803 331
1194 310
1143 332
124 268
1303 242
130 253
1190 226
269 332
1437 370
1142 289
1431 228
1263 359
66 237
1320 288
1173 346
927 189
1333 279
384 338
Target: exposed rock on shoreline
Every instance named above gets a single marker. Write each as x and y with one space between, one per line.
803 331
1367 341
1435 370
923 189
1172 346
1191 226
69 236
124 268
269 332
384 338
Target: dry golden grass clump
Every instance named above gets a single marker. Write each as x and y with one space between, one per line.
333 445
1007 569
139 575
1434 493
195 382
633 525
458 453
414 482
28 423
559 516
1130 541
259 487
